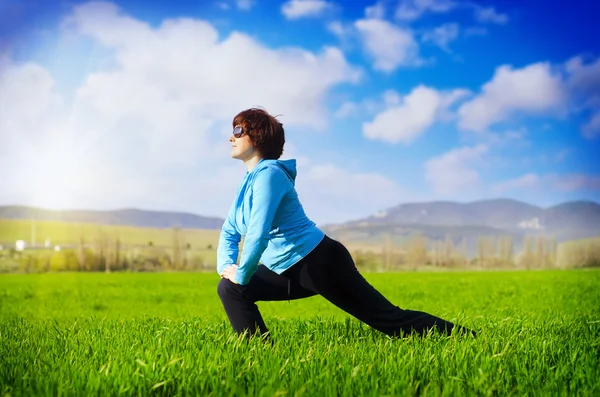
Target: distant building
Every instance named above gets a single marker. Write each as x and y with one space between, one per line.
20 245
533 223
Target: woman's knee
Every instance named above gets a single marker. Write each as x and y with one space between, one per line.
226 288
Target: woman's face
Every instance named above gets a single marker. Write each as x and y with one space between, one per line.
241 148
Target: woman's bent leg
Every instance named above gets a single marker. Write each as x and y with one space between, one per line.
239 301
332 273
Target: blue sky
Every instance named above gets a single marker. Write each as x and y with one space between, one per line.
123 104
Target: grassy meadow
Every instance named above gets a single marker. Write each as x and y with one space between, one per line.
86 246
92 247
166 334
66 233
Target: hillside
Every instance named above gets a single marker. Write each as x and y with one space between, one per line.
435 220
123 217
500 217
71 233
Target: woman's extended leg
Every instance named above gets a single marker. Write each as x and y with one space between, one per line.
330 271
239 301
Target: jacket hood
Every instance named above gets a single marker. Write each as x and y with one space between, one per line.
288 166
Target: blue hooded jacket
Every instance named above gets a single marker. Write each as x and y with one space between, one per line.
268 213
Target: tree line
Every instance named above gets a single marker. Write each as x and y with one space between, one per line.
497 252
108 254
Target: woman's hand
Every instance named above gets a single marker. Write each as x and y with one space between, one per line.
229 273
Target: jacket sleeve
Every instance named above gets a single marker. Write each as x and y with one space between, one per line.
269 187
229 243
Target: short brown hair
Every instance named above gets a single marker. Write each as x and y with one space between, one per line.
265 131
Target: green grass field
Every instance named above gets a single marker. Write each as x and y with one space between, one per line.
71 233
166 334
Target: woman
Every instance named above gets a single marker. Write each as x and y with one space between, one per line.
297 259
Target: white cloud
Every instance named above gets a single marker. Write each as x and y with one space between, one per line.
152 130
442 35
583 79
489 14
345 33
526 181
574 182
561 155
346 110
337 28
376 11
27 102
475 31
405 122
583 83
291 152
391 98
508 139
245 4
455 172
183 60
514 135
329 193
592 128
409 10
530 90
537 90
388 45
551 158
295 9
406 118
554 182
449 99
364 108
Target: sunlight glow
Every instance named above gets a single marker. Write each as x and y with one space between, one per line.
53 178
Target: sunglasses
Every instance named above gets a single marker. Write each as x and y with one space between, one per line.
238 132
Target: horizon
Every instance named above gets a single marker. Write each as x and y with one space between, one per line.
320 225
116 105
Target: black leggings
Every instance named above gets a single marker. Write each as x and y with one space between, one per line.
330 272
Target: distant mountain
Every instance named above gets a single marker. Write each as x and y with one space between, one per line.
573 220
125 217
499 217
500 213
435 220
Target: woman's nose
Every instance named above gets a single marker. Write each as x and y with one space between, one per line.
231 139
